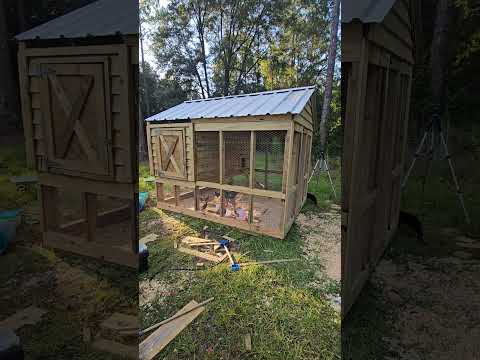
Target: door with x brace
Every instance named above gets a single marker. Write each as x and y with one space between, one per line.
171 152
76 116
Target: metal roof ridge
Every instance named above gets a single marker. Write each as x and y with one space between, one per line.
266 92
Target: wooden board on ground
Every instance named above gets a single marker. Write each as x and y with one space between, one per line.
27 316
196 253
113 347
148 238
160 338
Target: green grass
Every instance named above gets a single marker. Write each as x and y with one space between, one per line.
287 317
59 334
12 163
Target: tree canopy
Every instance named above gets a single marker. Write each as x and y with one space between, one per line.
212 48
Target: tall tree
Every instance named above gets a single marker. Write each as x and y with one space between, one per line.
439 54
332 55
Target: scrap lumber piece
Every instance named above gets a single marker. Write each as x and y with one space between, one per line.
268 262
116 348
196 253
194 240
248 342
28 316
171 327
148 238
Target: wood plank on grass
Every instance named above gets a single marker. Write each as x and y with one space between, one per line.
160 338
199 254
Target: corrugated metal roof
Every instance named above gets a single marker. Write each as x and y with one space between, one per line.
367 11
100 18
275 102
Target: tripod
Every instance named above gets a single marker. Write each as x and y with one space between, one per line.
435 127
322 164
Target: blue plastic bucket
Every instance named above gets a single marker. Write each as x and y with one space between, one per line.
8 228
142 199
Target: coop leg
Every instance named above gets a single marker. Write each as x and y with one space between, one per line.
50 210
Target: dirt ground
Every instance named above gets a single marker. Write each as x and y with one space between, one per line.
322 237
435 302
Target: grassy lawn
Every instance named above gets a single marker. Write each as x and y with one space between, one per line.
287 316
78 293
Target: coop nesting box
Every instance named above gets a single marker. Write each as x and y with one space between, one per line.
78 76
377 63
241 160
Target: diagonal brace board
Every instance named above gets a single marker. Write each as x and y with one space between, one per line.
169 151
73 114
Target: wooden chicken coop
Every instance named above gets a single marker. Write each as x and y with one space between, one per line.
377 64
78 79
241 160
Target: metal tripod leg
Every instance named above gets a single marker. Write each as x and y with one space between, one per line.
418 152
329 177
452 170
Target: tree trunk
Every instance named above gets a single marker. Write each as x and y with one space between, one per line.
439 55
8 89
332 53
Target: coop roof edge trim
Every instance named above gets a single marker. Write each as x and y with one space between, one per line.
100 18
273 102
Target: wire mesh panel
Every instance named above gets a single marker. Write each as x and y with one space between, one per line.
269 155
237 158
236 205
186 198
209 201
268 213
71 210
207 150
114 220
165 193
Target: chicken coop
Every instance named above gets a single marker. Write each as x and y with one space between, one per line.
240 160
377 64
78 80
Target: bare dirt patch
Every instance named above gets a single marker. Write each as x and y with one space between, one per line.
322 239
437 304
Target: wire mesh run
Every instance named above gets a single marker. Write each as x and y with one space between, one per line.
268 213
165 193
237 158
207 150
236 205
186 198
209 201
269 155
114 220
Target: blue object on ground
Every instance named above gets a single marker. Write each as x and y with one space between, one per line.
8 228
143 258
142 199
235 267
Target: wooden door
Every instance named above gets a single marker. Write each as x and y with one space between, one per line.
75 102
170 150
364 104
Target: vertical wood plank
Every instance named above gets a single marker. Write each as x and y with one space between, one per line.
26 105
287 163
50 210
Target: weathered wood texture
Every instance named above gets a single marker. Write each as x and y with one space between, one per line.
79 113
77 110
377 65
